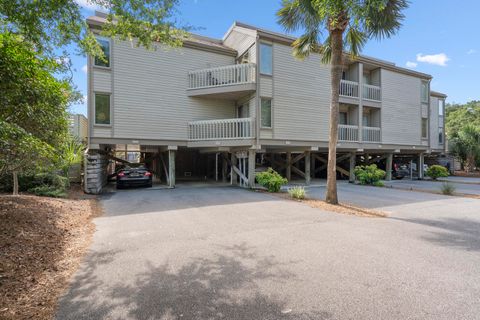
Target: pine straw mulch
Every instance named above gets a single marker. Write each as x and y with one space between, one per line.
342 208
42 241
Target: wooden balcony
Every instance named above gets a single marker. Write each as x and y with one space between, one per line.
222 129
347 133
371 134
227 82
350 91
349 88
373 93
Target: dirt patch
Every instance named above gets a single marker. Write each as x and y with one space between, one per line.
340 208
42 241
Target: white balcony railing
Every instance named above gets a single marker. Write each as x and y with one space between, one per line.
347 132
222 76
371 134
239 128
349 88
372 92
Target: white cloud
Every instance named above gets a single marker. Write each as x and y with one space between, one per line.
88 4
85 68
62 60
411 64
471 51
439 59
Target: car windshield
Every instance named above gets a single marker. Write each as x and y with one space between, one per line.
131 166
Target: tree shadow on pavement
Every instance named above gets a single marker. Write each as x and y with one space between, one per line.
454 232
231 285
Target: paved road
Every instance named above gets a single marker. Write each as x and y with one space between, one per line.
227 253
435 186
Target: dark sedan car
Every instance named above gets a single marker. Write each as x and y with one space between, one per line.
400 171
134 175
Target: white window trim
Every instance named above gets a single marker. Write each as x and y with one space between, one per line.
95 109
109 54
271 114
260 58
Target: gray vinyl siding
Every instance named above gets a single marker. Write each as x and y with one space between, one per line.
401 109
266 86
149 95
102 81
102 132
434 123
301 96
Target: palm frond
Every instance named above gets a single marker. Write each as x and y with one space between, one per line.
385 23
306 44
354 41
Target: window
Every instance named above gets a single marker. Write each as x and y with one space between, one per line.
424 91
266 113
440 135
343 118
424 127
102 108
265 59
440 107
105 45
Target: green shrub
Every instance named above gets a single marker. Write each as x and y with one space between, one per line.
369 174
437 171
38 184
297 192
271 180
448 188
48 191
379 184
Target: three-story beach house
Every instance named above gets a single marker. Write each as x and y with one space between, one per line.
222 109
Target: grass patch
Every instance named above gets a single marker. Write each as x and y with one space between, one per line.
447 188
297 192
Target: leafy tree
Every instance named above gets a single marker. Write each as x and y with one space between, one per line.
20 151
33 120
329 28
466 146
55 24
459 115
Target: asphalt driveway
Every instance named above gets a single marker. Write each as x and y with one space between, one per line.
228 253
469 188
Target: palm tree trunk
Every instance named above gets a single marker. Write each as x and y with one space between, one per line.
336 37
15 183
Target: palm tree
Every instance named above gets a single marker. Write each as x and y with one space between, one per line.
347 25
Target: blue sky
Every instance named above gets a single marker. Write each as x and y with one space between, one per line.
438 37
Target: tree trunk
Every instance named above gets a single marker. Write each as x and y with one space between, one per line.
470 163
15 183
335 75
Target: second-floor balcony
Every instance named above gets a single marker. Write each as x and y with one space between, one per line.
231 81
351 89
350 133
222 129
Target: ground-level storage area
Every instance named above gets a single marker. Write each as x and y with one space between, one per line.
172 165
